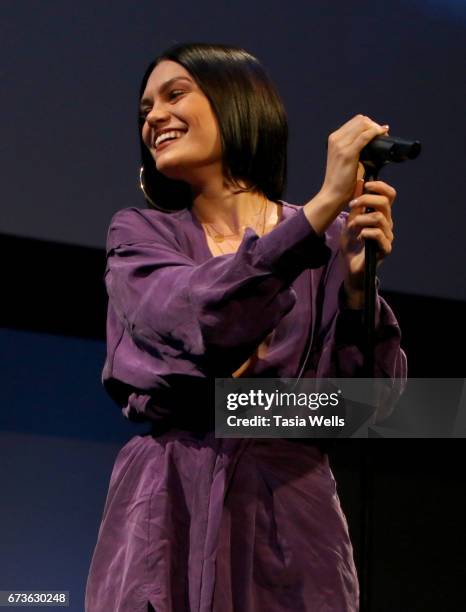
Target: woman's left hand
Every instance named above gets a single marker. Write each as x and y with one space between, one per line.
377 225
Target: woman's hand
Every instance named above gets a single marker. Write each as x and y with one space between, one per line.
377 225
344 147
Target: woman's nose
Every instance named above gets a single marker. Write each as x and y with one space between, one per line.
157 114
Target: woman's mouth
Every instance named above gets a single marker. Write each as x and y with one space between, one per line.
166 138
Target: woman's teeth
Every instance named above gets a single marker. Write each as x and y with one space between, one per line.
167 136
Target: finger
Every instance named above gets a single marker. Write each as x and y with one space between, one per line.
358 189
363 127
354 213
381 188
361 172
369 200
355 210
355 125
349 140
366 136
378 203
376 220
376 234
350 125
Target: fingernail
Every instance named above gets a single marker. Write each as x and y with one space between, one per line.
353 202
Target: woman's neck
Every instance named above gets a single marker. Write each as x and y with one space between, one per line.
229 210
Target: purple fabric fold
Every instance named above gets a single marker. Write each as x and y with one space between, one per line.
175 311
191 522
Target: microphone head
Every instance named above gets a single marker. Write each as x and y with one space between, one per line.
404 149
385 149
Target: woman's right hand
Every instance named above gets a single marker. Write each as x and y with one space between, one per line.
344 148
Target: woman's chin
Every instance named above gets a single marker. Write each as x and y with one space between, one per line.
167 165
171 169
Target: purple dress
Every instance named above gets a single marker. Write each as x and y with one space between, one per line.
196 523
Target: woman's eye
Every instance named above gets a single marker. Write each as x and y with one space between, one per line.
143 112
174 94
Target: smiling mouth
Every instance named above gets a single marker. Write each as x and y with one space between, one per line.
164 144
167 138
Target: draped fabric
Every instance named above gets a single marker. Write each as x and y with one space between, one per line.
196 523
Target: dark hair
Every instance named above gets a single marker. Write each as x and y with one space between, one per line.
251 118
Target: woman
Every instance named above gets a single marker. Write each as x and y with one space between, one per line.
217 278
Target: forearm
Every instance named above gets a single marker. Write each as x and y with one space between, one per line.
341 353
321 211
354 299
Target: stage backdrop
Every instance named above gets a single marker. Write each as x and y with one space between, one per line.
70 77
69 155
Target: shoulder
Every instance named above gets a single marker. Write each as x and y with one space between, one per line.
131 225
333 232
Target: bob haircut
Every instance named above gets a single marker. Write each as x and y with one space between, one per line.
251 118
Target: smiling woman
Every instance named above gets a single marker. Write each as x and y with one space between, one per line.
231 104
219 277
180 129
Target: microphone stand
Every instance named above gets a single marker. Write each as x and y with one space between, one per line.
374 156
370 263
379 152
371 173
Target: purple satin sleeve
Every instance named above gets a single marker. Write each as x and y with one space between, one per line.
212 315
175 322
338 345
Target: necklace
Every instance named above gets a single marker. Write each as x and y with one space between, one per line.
219 238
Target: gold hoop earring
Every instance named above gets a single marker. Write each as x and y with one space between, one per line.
146 195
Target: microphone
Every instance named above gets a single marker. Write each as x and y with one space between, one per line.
385 149
380 151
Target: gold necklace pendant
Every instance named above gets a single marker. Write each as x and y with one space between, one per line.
219 238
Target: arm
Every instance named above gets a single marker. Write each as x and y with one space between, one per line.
339 350
339 340
213 314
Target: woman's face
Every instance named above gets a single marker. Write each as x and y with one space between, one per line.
180 128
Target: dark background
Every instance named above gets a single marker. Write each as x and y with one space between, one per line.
70 76
70 81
